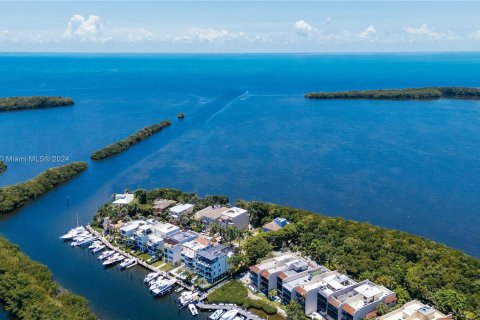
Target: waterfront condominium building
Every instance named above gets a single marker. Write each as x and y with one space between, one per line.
173 246
212 262
264 276
358 301
415 310
307 293
331 283
190 250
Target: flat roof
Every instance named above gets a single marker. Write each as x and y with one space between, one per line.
413 310
181 207
218 250
233 212
123 198
212 212
165 227
163 203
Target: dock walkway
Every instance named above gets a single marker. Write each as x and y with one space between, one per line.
139 261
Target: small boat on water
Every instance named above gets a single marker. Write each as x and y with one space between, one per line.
216 315
95 244
117 257
164 286
72 233
185 298
193 309
179 289
127 263
154 283
229 315
87 240
106 254
98 248
151 276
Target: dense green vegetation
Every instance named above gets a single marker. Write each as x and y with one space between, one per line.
181 115
15 196
414 267
23 103
27 290
235 292
3 167
122 145
401 94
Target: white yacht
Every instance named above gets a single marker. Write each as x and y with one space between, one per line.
151 276
127 263
193 309
216 315
164 286
154 283
117 257
106 254
72 233
229 315
185 298
98 248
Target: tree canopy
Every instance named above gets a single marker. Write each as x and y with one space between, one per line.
39 102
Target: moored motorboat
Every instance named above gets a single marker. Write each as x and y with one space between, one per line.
106 254
193 309
127 263
151 276
216 315
98 248
185 298
229 315
163 287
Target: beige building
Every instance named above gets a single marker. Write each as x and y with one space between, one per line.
415 310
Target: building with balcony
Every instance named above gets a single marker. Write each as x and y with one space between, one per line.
155 246
164 230
331 283
127 229
172 251
190 250
415 310
358 301
212 262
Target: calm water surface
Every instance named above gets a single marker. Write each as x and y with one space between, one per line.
248 133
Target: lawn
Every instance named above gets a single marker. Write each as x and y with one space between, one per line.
167 267
235 292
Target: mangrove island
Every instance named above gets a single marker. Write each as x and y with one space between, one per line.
118 147
35 102
28 291
16 196
428 93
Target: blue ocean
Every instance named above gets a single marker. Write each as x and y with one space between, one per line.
248 134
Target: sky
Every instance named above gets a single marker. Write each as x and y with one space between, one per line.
239 26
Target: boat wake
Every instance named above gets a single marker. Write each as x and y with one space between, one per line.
224 108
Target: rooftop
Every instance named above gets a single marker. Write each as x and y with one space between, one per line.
162 204
272 226
165 228
181 237
216 251
233 212
415 310
123 198
181 208
362 294
131 225
211 212
335 282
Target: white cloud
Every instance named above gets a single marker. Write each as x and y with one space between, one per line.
3 35
368 32
303 28
424 31
328 20
138 35
84 29
474 35
210 35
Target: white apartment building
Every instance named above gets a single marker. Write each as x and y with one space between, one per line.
235 217
181 209
415 310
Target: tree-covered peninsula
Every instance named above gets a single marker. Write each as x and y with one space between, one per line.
3 167
401 94
122 145
27 290
412 266
36 102
15 196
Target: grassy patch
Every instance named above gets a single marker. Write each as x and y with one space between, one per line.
167 267
235 292
157 264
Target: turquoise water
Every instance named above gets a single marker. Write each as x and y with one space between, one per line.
249 134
